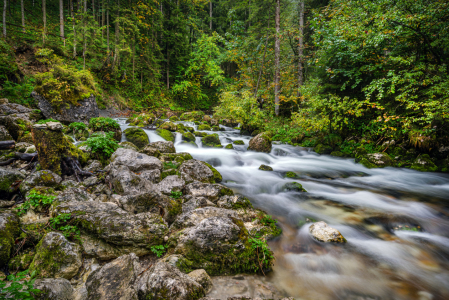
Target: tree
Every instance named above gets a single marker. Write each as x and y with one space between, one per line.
301 48
5 3
22 12
61 18
277 53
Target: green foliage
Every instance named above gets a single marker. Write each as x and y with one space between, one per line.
267 220
22 286
170 165
64 222
103 124
46 121
159 250
176 194
263 252
102 145
77 126
35 199
19 92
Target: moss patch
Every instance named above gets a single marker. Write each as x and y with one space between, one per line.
166 135
137 136
217 175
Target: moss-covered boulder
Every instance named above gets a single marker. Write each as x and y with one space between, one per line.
169 126
56 257
293 187
173 118
43 178
53 147
204 127
323 149
291 174
260 143
337 154
137 136
217 176
192 116
106 125
424 163
229 146
212 141
8 178
215 128
178 157
164 146
9 230
377 160
166 135
200 134
265 168
17 125
142 120
239 142
189 137
128 145
150 151
196 170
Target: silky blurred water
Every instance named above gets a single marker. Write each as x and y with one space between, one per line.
370 207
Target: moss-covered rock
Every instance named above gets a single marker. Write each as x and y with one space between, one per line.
192 116
7 179
169 126
142 120
200 134
166 135
294 187
290 174
27 138
260 143
337 154
9 230
150 151
239 142
212 141
106 125
265 168
128 145
229 146
173 118
323 149
137 136
164 146
217 176
379 160
22 261
204 127
4 134
189 137
215 128
424 163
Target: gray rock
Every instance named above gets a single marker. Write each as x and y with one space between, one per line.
40 178
5 204
7 108
199 189
126 182
260 143
135 161
22 147
195 203
196 170
7 178
56 257
234 202
128 145
191 218
380 159
324 233
9 230
97 248
151 151
153 176
54 289
93 166
15 124
146 202
54 126
202 278
169 184
163 281
83 112
74 194
106 221
114 280
164 146
4 134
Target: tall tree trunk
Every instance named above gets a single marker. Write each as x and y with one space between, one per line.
84 35
93 8
263 61
22 9
102 19
72 13
5 6
61 18
277 55
44 19
301 48
107 25
210 15
117 36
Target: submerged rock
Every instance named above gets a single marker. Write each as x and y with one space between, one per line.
164 281
265 168
294 187
260 143
324 233
56 257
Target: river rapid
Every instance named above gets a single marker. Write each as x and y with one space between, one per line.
395 221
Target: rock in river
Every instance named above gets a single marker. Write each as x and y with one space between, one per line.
324 233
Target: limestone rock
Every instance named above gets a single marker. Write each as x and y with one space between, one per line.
150 151
4 134
324 233
83 112
114 280
135 161
260 143
126 182
164 146
207 190
5 204
40 178
54 289
56 257
128 145
153 176
202 278
7 178
234 202
163 281
378 159
137 136
169 126
9 230
189 219
74 194
424 163
196 170
211 140
170 183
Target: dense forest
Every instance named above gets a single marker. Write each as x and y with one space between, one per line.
349 74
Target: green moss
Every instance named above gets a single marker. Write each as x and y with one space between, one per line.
192 116
169 172
337 154
229 146
175 156
106 125
364 161
137 136
290 174
424 163
173 118
22 261
212 140
53 85
204 127
239 142
294 186
217 176
265 168
323 149
166 135
189 137
201 134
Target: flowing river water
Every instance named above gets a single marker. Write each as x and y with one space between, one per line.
395 221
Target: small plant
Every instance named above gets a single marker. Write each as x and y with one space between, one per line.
159 250
21 287
46 121
103 124
267 220
263 252
103 145
35 199
63 222
176 194
170 165
77 126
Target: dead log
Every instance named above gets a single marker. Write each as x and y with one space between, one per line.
27 156
5 145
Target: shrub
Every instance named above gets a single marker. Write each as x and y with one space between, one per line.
103 145
103 124
21 287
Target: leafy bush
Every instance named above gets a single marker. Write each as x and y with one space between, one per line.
103 124
21 287
159 250
35 199
77 126
103 145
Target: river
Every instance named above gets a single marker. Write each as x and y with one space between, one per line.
395 221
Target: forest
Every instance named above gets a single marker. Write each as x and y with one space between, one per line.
347 73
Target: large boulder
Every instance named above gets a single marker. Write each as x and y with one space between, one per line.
40 178
82 112
137 136
115 280
126 182
7 179
164 281
166 134
260 143
169 126
17 119
9 230
164 146
56 257
53 289
377 160
424 163
324 233
125 231
135 161
196 170
211 141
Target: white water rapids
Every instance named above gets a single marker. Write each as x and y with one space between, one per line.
368 206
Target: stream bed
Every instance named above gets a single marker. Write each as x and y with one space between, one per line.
395 221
